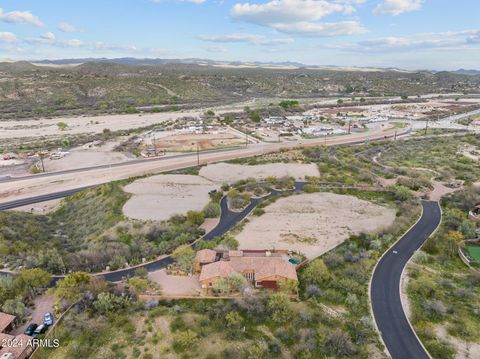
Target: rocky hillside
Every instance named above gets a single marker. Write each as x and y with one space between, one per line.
27 89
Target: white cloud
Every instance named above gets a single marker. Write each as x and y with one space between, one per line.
417 42
322 29
71 43
8 37
246 38
49 36
190 1
284 11
66 27
300 17
215 48
397 7
20 17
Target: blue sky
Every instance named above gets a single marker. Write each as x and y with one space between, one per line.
411 34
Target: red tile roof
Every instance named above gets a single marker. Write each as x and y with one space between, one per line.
205 256
262 267
5 321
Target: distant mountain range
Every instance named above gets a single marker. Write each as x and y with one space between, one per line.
467 72
197 61
209 62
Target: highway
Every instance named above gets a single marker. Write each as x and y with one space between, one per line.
395 329
31 188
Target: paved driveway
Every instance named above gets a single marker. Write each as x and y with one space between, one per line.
43 304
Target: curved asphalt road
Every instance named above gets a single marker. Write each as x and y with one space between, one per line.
227 220
397 334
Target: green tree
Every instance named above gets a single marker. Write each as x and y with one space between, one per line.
51 260
228 242
316 273
15 307
237 281
255 116
212 210
132 109
138 284
278 306
195 217
286 104
233 320
184 340
184 256
6 288
62 126
31 280
221 286
288 286
401 193
72 287
339 101
453 240
109 303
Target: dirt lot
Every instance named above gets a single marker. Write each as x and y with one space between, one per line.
174 284
160 197
181 142
225 172
87 124
313 223
81 157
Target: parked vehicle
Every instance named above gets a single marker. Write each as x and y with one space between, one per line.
30 329
48 319
42 328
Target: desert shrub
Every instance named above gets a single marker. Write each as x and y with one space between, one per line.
212 210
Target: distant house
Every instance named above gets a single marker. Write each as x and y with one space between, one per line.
11 346
262 269
274 120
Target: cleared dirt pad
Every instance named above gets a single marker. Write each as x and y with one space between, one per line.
313 223
226 172
84 158
160 197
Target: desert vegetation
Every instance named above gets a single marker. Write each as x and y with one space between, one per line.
443 293
89 232
29 90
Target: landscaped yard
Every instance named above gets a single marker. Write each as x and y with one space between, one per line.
473 251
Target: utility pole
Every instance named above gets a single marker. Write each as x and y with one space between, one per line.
426 127
41 160
246 138
395 136
198 156
349 125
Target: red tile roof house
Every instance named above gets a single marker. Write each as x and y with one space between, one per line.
261 268
12 347
6 322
